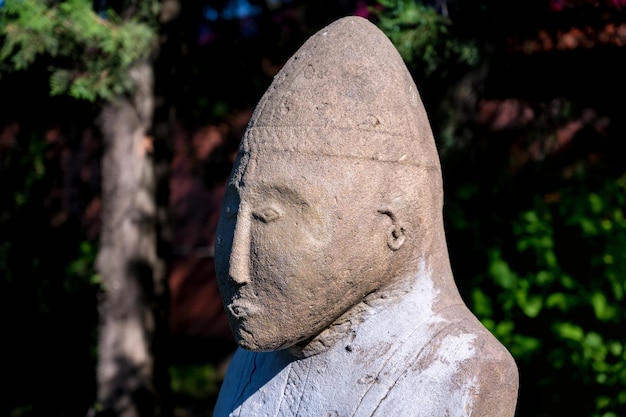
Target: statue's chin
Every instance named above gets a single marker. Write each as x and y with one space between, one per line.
245 340
256 343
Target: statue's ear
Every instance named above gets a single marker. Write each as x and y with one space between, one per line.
396 233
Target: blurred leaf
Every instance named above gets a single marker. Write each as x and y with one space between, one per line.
481 303
500 271
197 381
558 300
569 331
601 307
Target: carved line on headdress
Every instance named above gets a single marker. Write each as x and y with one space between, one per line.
430 168
307 140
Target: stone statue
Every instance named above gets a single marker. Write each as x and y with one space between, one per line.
331 255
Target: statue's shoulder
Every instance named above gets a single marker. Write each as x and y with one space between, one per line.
489 353
495 376
462 370
490 368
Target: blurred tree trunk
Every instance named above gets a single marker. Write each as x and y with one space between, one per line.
128 262
108 52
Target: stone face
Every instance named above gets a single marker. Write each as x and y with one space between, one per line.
331 256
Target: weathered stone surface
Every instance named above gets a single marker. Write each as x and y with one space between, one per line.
331 254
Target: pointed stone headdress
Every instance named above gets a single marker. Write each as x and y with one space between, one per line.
346 92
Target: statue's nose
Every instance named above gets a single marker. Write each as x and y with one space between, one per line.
239 262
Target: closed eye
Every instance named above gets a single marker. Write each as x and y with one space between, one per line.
266 214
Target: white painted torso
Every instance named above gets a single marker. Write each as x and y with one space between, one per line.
401 359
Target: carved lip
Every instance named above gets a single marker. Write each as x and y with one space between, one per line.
240 310
240 314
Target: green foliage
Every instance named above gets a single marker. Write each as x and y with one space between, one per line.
423 37
81 271
47 296
198 381
545 271
91 55
558 297
195 386
32 161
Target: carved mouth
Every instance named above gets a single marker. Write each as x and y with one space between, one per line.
239 316
237 311
241 309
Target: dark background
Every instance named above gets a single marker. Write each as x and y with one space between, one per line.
531 133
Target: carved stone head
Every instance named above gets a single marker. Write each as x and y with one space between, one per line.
336 191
